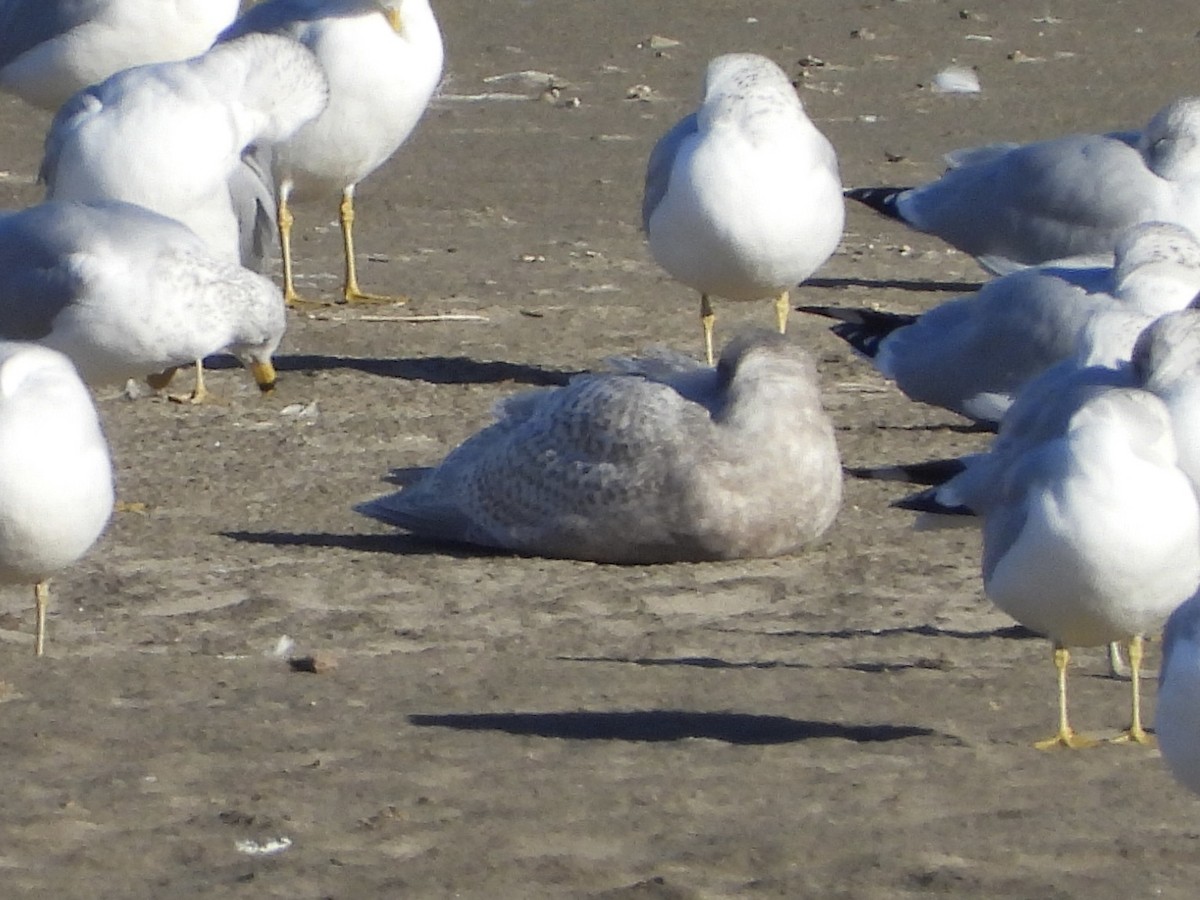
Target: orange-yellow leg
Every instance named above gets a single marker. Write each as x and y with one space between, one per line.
285 220
1066 736
1135 733
199 393
783 306
707 318
41 597
350 289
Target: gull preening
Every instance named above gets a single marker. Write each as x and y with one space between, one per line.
56 480
383 61
666 460
178 138
743 199
973 354
49 49
1166 361
1014 205
125 292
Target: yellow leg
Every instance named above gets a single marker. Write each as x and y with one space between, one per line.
351 290
1135 733
707 318
41 597
285 222
1066 736
199 393
783 306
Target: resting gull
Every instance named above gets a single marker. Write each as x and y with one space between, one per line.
666 460
1014 205
973 354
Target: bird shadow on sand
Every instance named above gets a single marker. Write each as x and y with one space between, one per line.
397 544
433 369
1007 632
952 427
711 662
902 284
660 725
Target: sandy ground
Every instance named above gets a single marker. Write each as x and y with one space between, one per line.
855 721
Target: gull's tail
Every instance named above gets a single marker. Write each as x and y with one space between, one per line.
880 199
863 329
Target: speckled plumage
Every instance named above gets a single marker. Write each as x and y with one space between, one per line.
666 460
125 292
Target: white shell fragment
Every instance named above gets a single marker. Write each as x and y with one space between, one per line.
264 848
956 80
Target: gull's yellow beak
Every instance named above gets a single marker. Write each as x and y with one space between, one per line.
393 17
264 375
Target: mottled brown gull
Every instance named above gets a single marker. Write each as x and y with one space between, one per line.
663 461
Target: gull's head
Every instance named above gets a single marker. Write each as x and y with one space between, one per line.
30 370
258 330
404 14
1157 268
738 84
1168 350
739 72
1135 417
767 367
1170 143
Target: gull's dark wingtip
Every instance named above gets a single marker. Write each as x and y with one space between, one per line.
881 199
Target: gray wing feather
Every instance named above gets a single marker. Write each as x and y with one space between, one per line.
290 16
252 192
435 521
32 267
658 170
